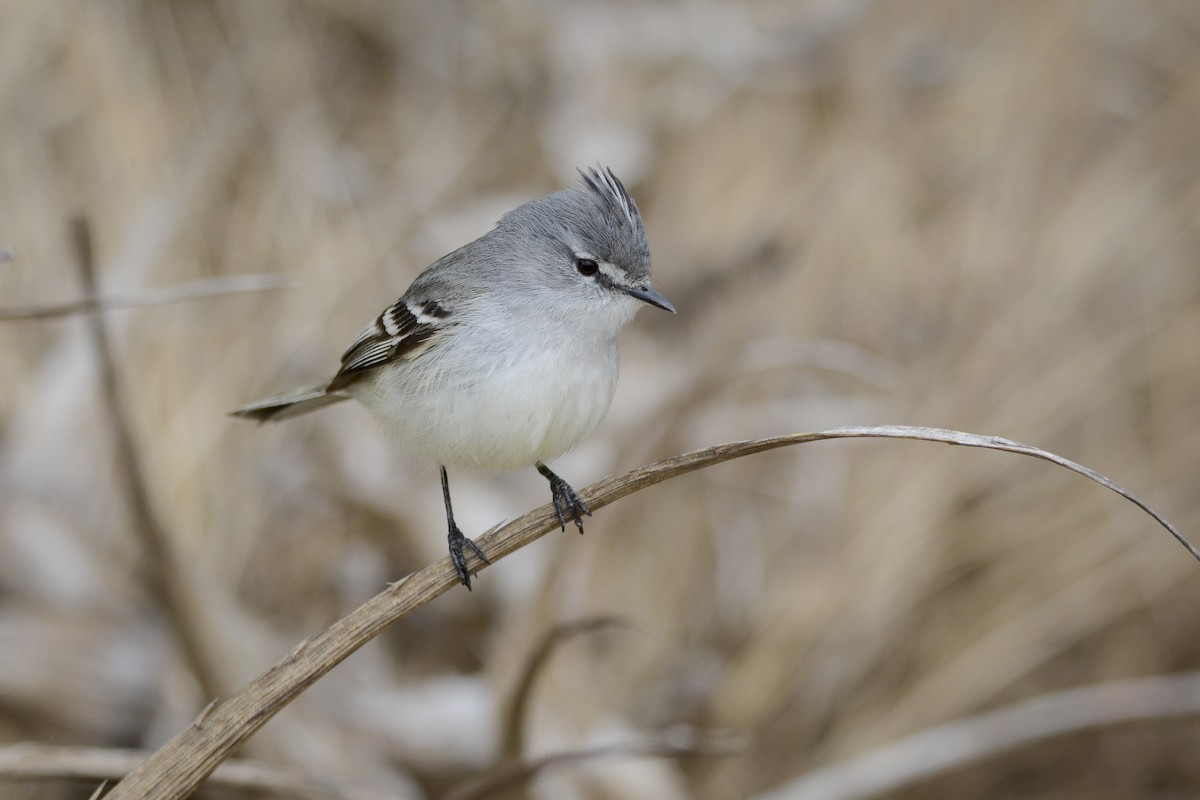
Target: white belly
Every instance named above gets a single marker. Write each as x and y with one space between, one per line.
474 410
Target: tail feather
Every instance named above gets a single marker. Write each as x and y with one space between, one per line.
290 404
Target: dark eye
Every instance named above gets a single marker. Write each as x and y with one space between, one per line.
586 266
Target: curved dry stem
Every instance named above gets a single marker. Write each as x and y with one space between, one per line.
179 293
166 577
42 762
512 737
176 769
671 745
906 761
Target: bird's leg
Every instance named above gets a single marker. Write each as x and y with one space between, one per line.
457 540
566 503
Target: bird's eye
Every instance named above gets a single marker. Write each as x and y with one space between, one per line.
587 266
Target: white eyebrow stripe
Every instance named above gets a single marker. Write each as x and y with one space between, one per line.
613 273
610 270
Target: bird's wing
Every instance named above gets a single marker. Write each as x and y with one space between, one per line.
405 330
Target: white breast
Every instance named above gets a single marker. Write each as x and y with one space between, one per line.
500 400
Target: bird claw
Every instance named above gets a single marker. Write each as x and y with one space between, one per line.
457 542
566 498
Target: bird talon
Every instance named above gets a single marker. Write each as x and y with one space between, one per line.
475 549
457 542
565 496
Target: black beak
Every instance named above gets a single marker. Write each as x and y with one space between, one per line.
648 295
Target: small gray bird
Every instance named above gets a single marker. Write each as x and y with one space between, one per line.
503 354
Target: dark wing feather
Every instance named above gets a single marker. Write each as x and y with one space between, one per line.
402 332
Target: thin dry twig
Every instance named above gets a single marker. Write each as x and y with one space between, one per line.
165 577
512 737
177 768
41 762
913 758
671 745
192 290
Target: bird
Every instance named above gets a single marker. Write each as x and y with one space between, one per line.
502 354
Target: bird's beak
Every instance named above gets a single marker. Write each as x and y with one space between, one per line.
646 294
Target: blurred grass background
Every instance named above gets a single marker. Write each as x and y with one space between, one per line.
966 215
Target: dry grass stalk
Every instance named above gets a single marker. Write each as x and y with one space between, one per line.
505 780
184 292
951 746
43 762
179 767
162 571
512 736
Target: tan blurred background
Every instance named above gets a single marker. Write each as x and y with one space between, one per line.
967 215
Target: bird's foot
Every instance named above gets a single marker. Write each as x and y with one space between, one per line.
566 502
457 542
